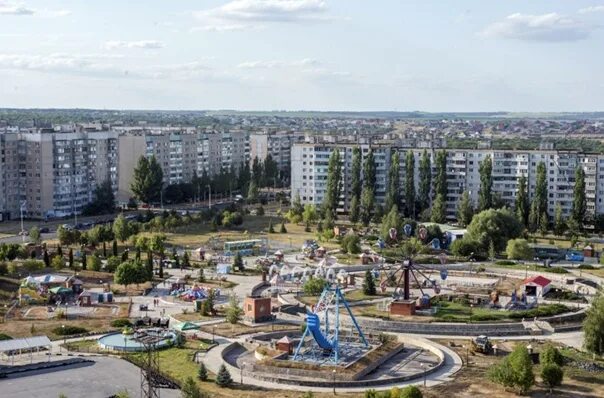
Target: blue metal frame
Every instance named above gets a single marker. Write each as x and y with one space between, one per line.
329 297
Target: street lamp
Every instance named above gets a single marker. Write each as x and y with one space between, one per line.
213 332
64 337
241 373
423 365
334 381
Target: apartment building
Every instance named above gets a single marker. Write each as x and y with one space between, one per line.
309 173
55 172
180 153
278 144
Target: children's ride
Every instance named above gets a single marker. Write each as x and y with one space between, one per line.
323 326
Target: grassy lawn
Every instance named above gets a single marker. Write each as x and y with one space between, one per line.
531 267
458 312
194 316
23 328
597 272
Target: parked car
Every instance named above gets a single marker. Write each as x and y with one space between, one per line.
44 230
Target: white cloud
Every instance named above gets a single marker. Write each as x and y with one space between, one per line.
20 9
143 44
7 8
550 27
277 64
245 14
592 9
223 28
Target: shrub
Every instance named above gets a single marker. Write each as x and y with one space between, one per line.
3 268
550 354
112 263
411 392
351 244
586 266
5 337
464 247
505 262
552 375
121 323
515 370
69 330
314 286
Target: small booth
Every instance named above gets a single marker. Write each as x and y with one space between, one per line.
536 286
85 299
179 284
279 255
402 307
284 344
589 251
320 252
257 309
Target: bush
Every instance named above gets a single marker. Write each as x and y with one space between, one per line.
351 244
202 373
552 375
121 323
550 354
586 266
112 263
505 262
69 330
464 247
314 286
411 392
5 337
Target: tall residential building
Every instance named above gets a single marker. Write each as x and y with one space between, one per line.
309 173
55 173
180 153
278 144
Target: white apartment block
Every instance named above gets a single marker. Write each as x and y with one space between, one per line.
309 173
55 173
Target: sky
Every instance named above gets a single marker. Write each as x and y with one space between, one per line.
340 55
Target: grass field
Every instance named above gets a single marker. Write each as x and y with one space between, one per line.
228 330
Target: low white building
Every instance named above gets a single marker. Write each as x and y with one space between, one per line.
536 286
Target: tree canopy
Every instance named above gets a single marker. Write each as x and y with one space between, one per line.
147 180
497 226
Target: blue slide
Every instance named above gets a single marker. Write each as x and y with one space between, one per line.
314 326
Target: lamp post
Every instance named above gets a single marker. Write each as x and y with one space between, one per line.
423 365
64 337
213 332
241 373
334 381
22 208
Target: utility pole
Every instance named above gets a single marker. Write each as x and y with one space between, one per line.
210 196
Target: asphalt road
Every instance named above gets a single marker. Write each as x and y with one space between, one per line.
104 378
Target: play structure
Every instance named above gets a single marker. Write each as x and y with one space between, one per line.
322 339
401 278
194 293
246 247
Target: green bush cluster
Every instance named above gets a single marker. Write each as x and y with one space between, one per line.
121 322
69 330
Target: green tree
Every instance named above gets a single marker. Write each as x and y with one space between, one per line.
533 220
314 286
34 234
57 262
552 375
440 179
367 205
356 185
238 262
104 200
559 223
579 201
522 206
550 354
70 258
252 192
351 244
410 184
593 326
425 181
540 196
202 372
515 370
485 195
84 260
130 272
369 170
310 214
369 284
271 171
543 224
496 226
333 184
121 228
190 389
465 210
46 258
519 249
296 212
391 220
392 193
147 180
233 312
283 230
223 378
257 172
439 210
94 263
114 248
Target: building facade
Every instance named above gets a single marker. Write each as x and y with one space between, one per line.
309 174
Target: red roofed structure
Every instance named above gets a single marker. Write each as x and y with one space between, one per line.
536 286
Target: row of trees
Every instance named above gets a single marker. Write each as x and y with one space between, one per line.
430 201
147 181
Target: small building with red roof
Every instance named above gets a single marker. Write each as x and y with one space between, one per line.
536 286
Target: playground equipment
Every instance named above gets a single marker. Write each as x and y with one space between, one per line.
325 333
408 269
246 247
